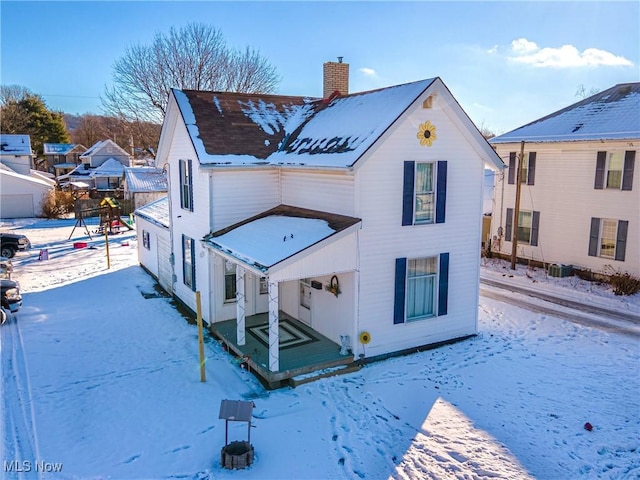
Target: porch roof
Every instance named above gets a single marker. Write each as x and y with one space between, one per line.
271 237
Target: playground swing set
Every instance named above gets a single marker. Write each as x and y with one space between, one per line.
110 218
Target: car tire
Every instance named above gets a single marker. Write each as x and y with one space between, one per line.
7 252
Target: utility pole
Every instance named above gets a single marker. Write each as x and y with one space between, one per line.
516 210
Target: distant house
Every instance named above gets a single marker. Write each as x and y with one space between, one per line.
154 243
16 153
61 158
108 176
143 185
324 231
21 195
102 151
580 198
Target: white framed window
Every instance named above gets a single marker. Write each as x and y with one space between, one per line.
613 171
608 237
424 193
186 185
229 282
422 286
146 241
524 172
524 227
188 262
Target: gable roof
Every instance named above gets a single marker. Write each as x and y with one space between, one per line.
608 115
156 212
27 179
110 168
99 145
237 129
145 179
15 144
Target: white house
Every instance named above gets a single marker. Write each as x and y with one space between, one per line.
102 151
580 190
21 195
154 250
352 221
16 153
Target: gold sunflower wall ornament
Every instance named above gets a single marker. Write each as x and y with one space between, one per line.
426 134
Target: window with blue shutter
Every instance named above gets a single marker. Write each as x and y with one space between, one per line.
627 176
424 192
443 288
511 172
189 262
508 225
608 238
407 193
400 288
186 184
441 191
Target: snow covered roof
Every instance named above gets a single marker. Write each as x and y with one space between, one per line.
236 129
15 144
99 145
110 168
93 148
57 148
609 115
284 231
26 178
145 179
156 212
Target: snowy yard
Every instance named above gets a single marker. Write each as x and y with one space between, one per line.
100 382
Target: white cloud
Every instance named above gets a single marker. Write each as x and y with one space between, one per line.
370 72
493 50
567 56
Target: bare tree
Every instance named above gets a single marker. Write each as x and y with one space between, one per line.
194 57
12 93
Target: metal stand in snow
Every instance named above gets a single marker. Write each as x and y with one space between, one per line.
237 454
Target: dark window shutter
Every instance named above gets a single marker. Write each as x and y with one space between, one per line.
621 239
189 165
508 225
593 237
512 168
531 174
193 264
441 191
627 176
184 264
601 160
407 193
535 225
181 172
443 287
400 289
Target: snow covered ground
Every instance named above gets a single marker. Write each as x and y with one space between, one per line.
101 381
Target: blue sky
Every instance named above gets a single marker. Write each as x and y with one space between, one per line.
507 63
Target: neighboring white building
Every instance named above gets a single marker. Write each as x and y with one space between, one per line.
274 200
144 185
104 150
580 189
16 153
154 244
21 195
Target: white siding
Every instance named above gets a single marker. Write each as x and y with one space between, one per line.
564 195
383 238
326 191
165 269
148 257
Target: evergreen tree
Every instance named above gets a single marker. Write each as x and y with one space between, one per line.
29 115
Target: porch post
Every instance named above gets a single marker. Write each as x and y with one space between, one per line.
274 333
240 314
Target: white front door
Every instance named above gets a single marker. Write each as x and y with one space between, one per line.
304 309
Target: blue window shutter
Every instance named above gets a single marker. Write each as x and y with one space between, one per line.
531 174
184 264
189 164
443 287
400 289
593 237
441 191
627 176
621 239
601 159
181 172
508 225
407 192
535 225
512 168
193 264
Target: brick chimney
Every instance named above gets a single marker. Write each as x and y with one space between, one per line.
336 77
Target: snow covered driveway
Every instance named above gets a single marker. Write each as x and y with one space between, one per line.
105 382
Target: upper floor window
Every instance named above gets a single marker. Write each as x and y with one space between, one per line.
614 170
424 192
528 169
186 185
229 281
528 225
608 238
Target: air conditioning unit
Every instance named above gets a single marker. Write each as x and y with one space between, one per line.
560 270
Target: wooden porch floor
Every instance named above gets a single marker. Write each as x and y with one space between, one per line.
305 351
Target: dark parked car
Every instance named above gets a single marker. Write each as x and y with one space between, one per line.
10 243
10 297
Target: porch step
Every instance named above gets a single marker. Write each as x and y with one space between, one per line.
324 373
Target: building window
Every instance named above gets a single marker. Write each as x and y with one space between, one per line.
528 171
264 286
524 227
188 262
528 226
146 240
229 281
421 288
608 238
614 170
424 192
186 185
114 182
